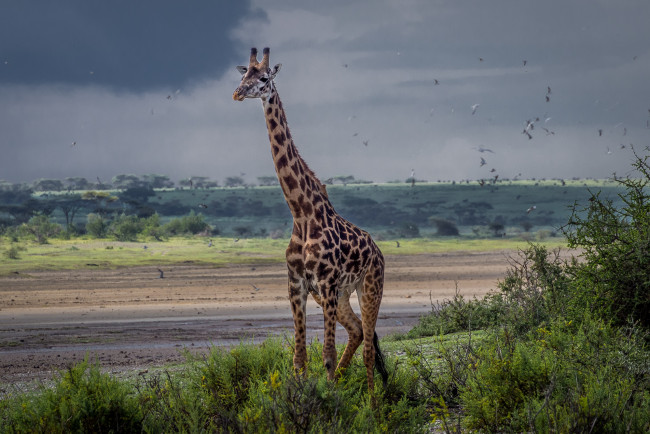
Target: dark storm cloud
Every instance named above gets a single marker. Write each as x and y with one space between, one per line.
131 45
388 83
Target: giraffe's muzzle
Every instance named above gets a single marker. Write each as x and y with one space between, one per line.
237 96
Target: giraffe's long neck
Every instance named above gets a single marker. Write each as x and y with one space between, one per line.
302 190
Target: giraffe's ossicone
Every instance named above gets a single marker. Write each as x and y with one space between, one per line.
327 255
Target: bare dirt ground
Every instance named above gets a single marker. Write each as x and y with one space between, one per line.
131 319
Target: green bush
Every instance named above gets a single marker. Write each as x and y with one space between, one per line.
41 228
82 400
252 388
189 224
444 228
13 252
152 228
284 402
566 348
567 377
455 315
614 278
126 227
96 226
535 288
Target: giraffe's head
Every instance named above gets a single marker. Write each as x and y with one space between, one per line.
257 78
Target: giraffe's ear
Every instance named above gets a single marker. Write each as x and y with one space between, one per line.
275 70
242 69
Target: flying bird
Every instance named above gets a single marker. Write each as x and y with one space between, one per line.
600 132
530 125
474 107
483 163
532 208
255 287
365 142
202 205
525 62
482 149
435 81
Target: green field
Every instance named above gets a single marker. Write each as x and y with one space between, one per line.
89 253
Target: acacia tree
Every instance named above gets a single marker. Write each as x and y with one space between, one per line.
101 199
124 181
157 181
234 181
268 180
48 185
186 183
69 204
77 183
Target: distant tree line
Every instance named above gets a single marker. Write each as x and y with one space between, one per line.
398 212
152 180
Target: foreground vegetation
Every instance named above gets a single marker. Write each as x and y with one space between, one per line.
561 346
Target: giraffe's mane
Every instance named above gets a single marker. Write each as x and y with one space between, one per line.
307 169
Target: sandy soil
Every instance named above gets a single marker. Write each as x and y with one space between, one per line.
132 319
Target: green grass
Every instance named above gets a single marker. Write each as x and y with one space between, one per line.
418 246
86 253
90 253
248 388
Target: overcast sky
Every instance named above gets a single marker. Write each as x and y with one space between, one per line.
95 89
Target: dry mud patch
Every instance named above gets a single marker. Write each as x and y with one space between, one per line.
130 319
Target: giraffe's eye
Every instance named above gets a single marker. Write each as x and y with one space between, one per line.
264 79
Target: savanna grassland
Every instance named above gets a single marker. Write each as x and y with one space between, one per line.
558 345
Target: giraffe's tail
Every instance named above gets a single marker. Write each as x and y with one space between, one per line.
379 361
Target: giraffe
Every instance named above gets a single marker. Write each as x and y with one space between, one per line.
327 257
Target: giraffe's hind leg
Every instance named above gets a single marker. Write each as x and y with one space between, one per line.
348 319
370 299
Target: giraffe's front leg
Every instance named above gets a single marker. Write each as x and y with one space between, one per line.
330 305
298 299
